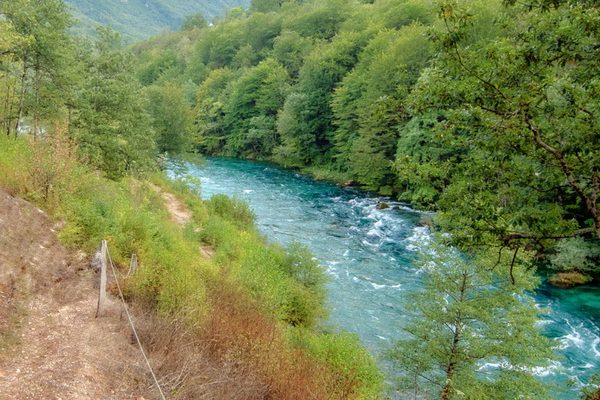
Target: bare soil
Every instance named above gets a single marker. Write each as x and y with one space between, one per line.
48 299
179 212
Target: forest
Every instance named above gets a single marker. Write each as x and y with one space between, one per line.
485 112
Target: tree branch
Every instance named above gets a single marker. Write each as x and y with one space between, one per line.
565 168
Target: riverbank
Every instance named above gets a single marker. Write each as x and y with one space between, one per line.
369 254
209 287
52 346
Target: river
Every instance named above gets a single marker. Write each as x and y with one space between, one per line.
369 254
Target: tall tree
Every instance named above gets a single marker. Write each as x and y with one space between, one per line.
113 126
524 104
210 111
11 67
46 61
258 93
472 334
369 108
305 122
171 117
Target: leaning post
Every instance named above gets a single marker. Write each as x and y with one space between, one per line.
133 264
102 295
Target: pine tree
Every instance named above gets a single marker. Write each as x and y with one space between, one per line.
473 332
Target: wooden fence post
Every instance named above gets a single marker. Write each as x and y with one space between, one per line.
133 265
102 295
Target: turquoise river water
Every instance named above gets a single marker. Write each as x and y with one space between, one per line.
369 255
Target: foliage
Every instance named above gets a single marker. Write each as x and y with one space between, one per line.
343 352
471 113
112 126
517 111
233 210
486 113
468 316
576 254
194 21
171 117
252 108
248 301
35 68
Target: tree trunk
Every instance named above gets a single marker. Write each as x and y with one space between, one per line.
7 106
450 368
22 99
36 107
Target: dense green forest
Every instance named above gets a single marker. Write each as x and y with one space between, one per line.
486 112
139 19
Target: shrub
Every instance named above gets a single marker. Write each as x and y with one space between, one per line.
233 210
239 308
357 375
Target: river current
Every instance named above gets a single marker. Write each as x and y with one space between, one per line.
369 255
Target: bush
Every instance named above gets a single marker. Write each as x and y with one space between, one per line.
244 304
357 374
233 210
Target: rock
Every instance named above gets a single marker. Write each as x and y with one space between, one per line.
383 206
425 221
569 279
348 183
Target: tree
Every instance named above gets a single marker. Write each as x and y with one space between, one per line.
259 92
290 49
524 105
112 125
46 58
265 6
171 117
469 316
194 21
305 123
210 111
11 46
369 109
319 19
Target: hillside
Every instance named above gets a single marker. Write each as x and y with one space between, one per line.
52 345
137 19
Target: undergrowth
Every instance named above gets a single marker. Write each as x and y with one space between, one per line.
248 317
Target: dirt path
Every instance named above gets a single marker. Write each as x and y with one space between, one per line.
181 215
63 351
179 212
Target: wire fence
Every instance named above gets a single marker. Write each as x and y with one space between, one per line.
107 260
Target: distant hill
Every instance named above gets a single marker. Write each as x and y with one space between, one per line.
139 19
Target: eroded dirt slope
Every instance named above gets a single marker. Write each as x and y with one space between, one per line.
61 350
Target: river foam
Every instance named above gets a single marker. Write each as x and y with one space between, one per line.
369 255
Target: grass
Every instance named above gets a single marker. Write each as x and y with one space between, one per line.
248 318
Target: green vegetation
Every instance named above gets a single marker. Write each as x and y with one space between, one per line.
468 315
486 112
482 111
139 19
283 287
81 138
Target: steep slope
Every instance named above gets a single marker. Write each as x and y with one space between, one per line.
138 19
60 350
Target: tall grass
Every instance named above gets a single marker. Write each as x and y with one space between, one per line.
251 311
